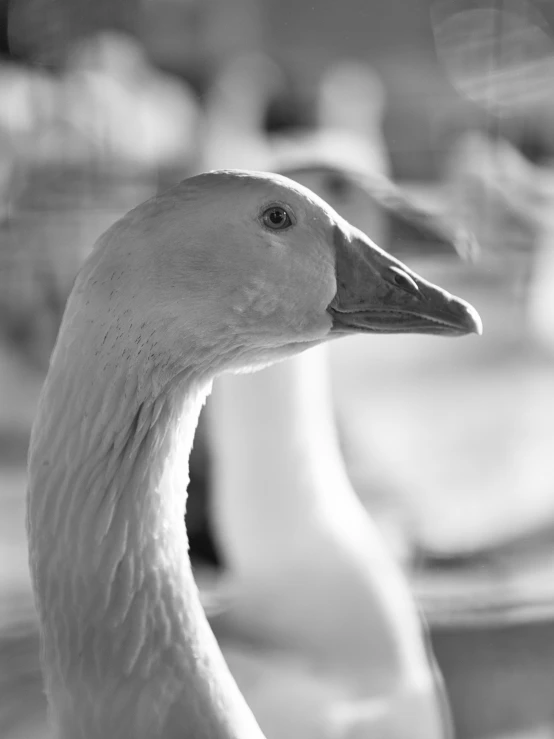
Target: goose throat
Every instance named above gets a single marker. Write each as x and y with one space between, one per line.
122 622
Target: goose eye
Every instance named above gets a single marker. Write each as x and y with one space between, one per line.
276 218
404 281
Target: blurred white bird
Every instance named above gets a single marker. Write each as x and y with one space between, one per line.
493 191
128 111
506 201
316 615
348 122
540 301
350 108
28 103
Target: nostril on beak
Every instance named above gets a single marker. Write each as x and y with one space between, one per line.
403 280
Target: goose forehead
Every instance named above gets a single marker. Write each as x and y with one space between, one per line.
260 187
208 211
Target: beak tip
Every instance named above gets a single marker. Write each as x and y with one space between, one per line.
464 317
474 320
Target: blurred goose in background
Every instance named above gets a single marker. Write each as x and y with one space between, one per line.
112 654
129 111
28 102
348 121
313 601
113 116
540 307
350 108
28 99
505 200
493 191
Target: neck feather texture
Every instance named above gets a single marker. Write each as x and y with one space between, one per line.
127 651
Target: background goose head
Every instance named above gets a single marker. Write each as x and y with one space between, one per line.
374 204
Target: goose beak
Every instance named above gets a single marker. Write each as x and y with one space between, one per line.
376 293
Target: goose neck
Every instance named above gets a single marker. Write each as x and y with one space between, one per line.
126 649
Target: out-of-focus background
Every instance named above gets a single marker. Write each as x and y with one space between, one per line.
449 444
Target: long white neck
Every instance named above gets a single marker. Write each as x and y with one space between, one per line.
127 651
276 463
294 534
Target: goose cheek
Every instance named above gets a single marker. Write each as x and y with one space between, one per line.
256 301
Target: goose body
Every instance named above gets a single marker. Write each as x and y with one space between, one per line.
226 271
325 618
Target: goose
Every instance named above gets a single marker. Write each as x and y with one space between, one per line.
347 133
125 108
350 107
309 581
28 103
495 191
505 200
226 271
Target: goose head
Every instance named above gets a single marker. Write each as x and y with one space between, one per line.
253 267
227 270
